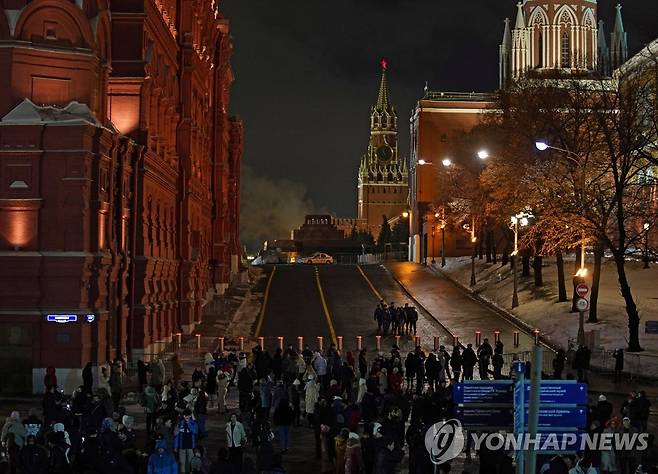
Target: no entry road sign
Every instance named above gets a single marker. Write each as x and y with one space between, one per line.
582 290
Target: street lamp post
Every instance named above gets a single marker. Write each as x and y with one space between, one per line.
575 159
433 247
646 244
522 220
474 242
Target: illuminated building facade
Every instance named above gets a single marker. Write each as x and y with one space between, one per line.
120 178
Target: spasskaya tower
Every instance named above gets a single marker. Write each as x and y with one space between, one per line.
383 176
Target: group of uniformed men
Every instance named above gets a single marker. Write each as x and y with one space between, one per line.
399 320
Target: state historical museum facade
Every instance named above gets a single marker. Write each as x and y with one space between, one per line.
119 179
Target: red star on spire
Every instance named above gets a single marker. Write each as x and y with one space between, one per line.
384 64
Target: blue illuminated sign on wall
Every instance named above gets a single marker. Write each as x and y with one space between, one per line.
61 318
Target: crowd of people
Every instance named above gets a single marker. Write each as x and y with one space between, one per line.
365 411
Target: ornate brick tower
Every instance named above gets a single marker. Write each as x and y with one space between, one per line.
383 176
559 35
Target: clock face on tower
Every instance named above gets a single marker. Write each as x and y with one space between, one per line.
384 153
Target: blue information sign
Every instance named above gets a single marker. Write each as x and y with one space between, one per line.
485 417
483 392
562 417
564 392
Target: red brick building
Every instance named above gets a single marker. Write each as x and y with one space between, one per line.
119 179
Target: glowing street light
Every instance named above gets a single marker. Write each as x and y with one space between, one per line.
521 219
541 146
422 162
405 214
483 154
447 162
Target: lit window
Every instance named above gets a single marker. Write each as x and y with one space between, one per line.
566 50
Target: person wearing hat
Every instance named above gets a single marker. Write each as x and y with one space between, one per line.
185 435
603 410
162 461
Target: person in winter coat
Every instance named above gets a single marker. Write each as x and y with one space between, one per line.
340 446
185 435
603 410
151 403
456 364
295 401
363 364
584 466
326 450
157 374
319 364
395 381
362 390
618 355
222 390
353 455
236 438
211 386
50 379
609 463
14 429
162 461
312 394
283 417
469 359
176 369
33 459
558 364
87 378
104 377
384 456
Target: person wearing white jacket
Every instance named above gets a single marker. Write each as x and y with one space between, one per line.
222 389
236 438
312 394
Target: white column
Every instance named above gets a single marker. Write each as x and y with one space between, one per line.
546 42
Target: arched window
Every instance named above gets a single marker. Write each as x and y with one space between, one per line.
540 50
566 50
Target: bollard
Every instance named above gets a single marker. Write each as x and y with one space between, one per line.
300 343
397 341
261 342
339 339
417 341
198 341
496 336
178 339
221 343
536 334
320 343
455 341
478 338
437 343
359 343
241 339
378 342
280 339
516 338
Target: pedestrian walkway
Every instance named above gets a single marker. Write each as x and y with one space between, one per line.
461 314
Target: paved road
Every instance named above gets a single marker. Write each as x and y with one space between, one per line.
294 307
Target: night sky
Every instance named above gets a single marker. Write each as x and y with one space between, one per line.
307 72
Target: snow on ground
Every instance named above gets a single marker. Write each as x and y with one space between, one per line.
539 306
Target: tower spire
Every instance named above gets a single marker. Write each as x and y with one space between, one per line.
520 18
603 52
383 99
619 43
